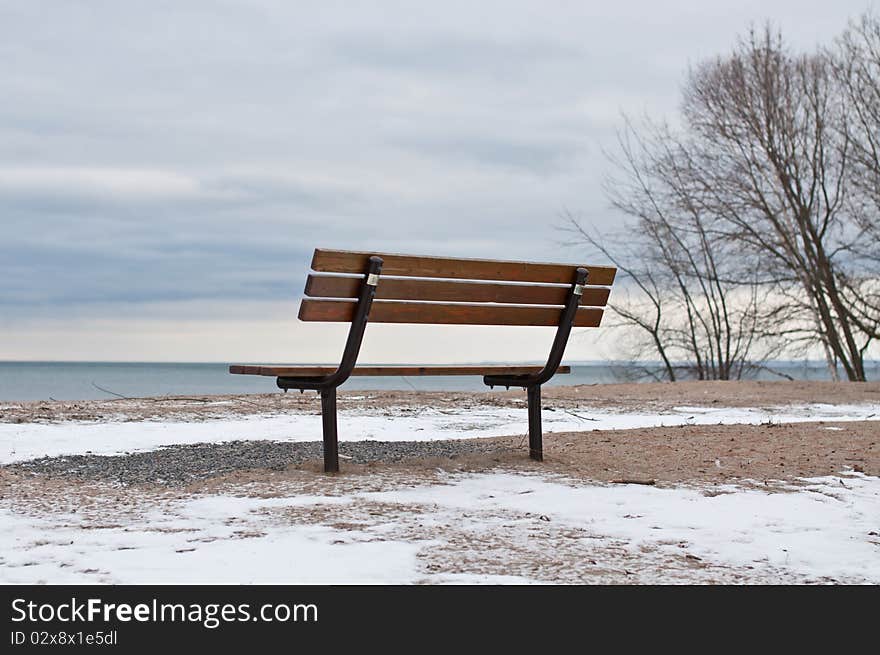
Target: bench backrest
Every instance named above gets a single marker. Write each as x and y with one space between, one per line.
419 289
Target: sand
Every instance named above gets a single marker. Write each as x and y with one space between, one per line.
673 455
69 521
631 397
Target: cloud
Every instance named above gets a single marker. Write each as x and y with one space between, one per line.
454 55
197 152
131 184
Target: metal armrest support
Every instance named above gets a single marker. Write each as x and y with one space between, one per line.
559 342
532 383
355 337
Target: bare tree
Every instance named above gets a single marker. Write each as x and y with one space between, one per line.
856 63
755 224
775 167
701 317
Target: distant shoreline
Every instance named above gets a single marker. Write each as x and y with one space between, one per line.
47 381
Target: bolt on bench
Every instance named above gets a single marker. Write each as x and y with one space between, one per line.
384 288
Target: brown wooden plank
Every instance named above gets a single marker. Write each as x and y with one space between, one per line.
245 369
274 370
334 286
440 313
344 261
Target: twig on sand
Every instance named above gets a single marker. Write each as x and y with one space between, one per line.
112 393
249 402
650 482
583 418
763 367
175 399
160 399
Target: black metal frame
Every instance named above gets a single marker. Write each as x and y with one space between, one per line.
532 383
327 384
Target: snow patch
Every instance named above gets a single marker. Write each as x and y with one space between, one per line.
24 441
475 528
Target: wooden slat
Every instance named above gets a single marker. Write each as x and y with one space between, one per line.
343 261
275 370
438 313
245 369
330 286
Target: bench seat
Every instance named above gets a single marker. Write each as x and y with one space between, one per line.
274 370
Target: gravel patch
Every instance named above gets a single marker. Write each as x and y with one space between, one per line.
183 464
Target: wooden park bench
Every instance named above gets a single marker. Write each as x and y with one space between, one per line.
361 287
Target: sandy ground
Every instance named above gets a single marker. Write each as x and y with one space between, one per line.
682 454
720 454
708 459
674 455
622 397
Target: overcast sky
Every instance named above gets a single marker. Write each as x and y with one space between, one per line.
166 168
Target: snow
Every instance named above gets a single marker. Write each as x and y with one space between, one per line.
822 530
495 527
487 528
198 550
23 441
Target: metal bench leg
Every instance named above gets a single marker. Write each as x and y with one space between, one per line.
328 419
536 447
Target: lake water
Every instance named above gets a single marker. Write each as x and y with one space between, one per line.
81 380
